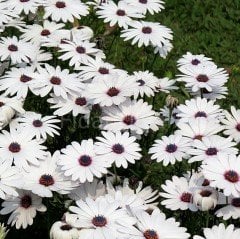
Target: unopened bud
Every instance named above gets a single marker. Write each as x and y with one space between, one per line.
171 101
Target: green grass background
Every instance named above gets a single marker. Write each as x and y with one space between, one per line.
211 27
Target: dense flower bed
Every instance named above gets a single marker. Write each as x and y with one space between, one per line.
78 133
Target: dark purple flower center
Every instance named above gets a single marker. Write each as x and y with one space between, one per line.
238 127
171 148
24 0
143 1
25 78
199 137
120 12
147 30
186 197
46 180
113 92
211 151
129 119
118 148
205 193
99 221
45 32
12 47
26 201
60 4
55 80
66 227
195 62
37 123
14 147
103 71
80 50
81 101
231 176
235 202
150 234
141 82
205 182
200 114
202 78
85 160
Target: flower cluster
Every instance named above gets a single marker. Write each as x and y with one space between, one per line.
52 67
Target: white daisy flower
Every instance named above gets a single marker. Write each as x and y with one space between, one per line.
79 52
201 77
155 226
120 14
97 69
231 210
140 196
24 6
146 83
23 208
232 123
100 219
74 104
65 10
165 85
118 148
10 180
178 194
170 149
198 128
47 178
61 82
17 51
136 116
197 108
220 232
91 190
189 59
62 230
36 33
6 14
210 147
112 90
218 92
224 173
80 162
19 148
18 81
39 126
144 6
163 50
146 33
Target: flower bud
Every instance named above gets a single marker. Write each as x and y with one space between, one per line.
171 101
